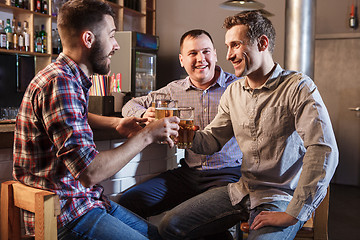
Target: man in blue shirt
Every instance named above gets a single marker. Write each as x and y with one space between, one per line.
198 173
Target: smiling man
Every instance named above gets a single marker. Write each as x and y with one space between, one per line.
54 147
284 130
198 173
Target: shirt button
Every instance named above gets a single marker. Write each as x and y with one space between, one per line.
204 109
254 139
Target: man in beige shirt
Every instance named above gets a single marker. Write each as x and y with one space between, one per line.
283 128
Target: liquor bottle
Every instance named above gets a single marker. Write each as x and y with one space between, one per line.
9 35
25 4
353 20
37 5
37 41
26 37
20 37
58 41
2 34
44 7
43 36
15 35
54 42
20 4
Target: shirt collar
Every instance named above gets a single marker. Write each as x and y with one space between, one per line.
221 81
75 69
271 83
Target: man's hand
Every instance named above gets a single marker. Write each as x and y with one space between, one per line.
161 130
269 218
150 115
129 126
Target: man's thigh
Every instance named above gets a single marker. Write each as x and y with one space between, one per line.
99 224
271 232
160 193
205 214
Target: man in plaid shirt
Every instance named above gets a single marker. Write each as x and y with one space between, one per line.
54 147
198 173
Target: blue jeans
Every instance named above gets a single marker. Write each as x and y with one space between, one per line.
212 212
173 187
118 223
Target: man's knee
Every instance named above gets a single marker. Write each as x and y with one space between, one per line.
168 228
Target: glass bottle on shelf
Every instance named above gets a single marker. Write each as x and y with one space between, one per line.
15 35
54 42
2 34
43 36
44 7
37 41
20 37
26 4
9 35
55 7
20 4
26 37
37 5
58 41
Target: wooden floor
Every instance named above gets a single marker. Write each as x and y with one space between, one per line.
344 212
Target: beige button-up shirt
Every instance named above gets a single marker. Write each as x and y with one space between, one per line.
285 133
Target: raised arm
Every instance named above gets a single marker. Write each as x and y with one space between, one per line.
126 127
107 163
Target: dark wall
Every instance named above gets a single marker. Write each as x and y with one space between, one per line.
15 74
169 69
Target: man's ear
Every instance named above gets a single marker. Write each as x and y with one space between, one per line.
181 59
215 55
88 39
263 43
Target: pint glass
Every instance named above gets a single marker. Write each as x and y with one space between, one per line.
186 131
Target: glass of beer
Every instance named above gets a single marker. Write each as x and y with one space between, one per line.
158 96
186 131
165 108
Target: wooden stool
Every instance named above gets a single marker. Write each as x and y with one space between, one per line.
45 205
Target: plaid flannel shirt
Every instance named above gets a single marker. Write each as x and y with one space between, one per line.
53 141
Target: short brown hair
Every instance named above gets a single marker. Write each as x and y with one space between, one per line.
194 34
257 24
75 16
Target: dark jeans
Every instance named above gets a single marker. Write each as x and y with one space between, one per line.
173 187
212 212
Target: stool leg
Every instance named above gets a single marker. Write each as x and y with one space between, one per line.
239 233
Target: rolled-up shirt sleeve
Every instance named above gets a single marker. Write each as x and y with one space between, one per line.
313 124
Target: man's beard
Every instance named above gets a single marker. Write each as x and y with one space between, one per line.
98 60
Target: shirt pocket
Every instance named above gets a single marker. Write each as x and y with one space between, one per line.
276 122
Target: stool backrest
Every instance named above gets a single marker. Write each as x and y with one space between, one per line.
45 205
